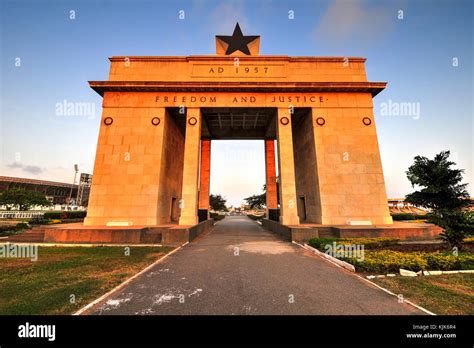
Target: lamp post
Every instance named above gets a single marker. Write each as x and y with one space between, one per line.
76 170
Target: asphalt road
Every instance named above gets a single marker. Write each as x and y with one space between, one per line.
241 268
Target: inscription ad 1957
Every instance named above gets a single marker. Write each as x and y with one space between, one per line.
239 70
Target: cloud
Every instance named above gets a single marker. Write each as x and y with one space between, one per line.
226 14
356 22
35 170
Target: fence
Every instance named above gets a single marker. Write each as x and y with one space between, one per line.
20 214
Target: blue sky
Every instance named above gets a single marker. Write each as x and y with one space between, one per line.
59 55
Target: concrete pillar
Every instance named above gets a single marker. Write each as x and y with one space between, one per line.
205 177
189 203
115 199
351 182
270 174
286 165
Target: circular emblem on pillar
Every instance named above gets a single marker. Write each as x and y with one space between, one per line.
192 121
320 121
284 121
108 121
367 121
155 121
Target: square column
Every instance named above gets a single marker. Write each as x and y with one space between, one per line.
351 182
286 165
189 203
205 179
126 184
270 174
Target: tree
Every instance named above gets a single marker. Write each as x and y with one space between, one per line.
23 199
456 225
441 184
217 202
442 192
257 201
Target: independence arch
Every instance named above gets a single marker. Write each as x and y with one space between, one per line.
160 114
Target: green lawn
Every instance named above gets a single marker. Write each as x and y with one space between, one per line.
443 294
46 286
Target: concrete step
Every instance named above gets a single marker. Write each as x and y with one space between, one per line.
33 235
152 237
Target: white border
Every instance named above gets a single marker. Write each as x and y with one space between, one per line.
330 258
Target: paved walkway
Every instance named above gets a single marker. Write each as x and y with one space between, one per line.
241 268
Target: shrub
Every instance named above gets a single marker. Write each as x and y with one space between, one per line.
38 220
468 240
388 261
62 215
77 214
368 243
381 261
319 243
467 261
442 261
52 215
373 243
216 216
456 225
7 228
255 217
408 216
54 221
10 229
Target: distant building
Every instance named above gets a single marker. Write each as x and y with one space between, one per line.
400 206
56 192
85 181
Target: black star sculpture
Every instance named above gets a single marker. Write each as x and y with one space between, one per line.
237 42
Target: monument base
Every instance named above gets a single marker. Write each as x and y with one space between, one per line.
77 233
401 230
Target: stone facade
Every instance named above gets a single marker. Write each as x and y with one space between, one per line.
306 170
138 169
205 176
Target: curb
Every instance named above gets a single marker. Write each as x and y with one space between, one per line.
330 258
120 286
407 273
431 273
